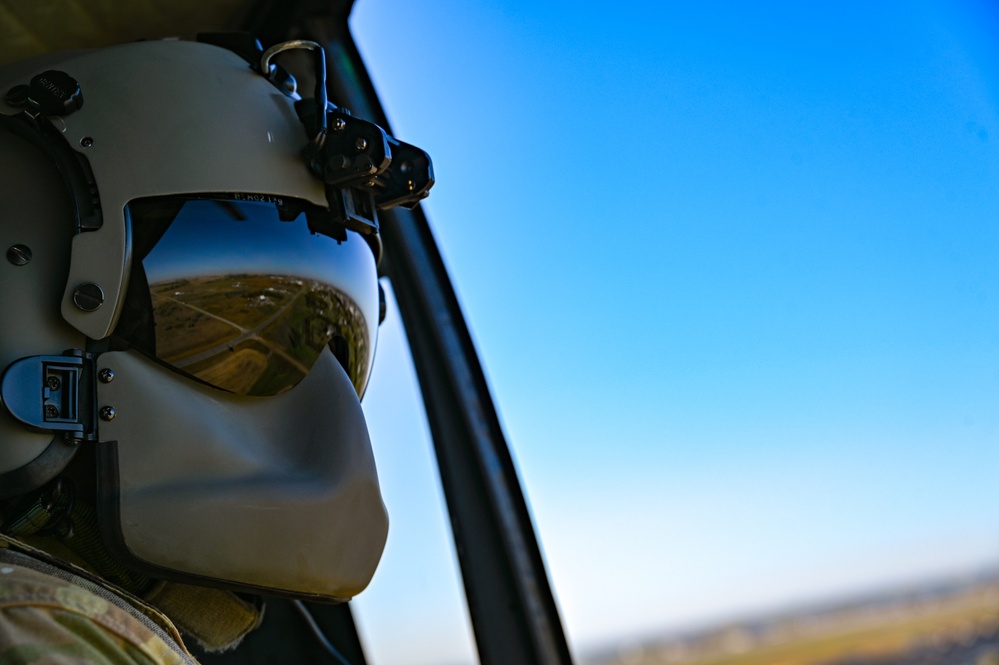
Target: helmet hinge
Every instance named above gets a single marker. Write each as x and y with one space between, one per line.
53 394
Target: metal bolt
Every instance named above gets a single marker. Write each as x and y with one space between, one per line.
88 296
19 255
51 411
108 413
360 144
106 375
339 124
87 141
53 382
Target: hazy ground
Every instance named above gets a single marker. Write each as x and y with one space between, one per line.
949 624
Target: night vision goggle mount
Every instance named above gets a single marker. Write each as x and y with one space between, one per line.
363 168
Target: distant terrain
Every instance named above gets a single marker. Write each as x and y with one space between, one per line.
950 623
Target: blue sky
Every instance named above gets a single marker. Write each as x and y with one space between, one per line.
732 274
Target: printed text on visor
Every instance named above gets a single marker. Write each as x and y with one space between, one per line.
243 296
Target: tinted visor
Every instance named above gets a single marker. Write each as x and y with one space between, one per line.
243 296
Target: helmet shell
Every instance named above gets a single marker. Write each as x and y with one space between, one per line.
187 473
163 118
36 217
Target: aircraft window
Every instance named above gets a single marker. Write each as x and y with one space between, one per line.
413 613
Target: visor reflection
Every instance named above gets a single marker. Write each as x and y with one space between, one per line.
253 334
243 296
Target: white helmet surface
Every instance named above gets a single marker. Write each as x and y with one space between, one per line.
185 294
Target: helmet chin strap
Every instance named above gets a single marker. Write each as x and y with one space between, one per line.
40 470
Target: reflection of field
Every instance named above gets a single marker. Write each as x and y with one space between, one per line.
181 331
238 370
244 300
255 335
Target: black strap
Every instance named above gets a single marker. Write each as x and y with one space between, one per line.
38 471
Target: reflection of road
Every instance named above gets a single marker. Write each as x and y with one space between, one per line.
244 334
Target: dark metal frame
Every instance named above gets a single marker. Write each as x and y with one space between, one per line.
513 612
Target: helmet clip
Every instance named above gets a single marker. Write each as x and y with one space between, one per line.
53 393
364 168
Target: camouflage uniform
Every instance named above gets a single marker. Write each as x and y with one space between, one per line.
53 613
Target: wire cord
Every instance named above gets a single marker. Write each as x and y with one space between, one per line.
317 631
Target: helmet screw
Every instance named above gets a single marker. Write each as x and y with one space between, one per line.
19 255
53 382
339 124
108 413
87 141
106 375
88 296
51 411
360 144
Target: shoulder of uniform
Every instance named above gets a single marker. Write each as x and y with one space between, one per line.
44 606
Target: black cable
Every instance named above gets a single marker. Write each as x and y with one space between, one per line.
317 631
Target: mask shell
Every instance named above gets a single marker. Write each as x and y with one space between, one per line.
276 494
